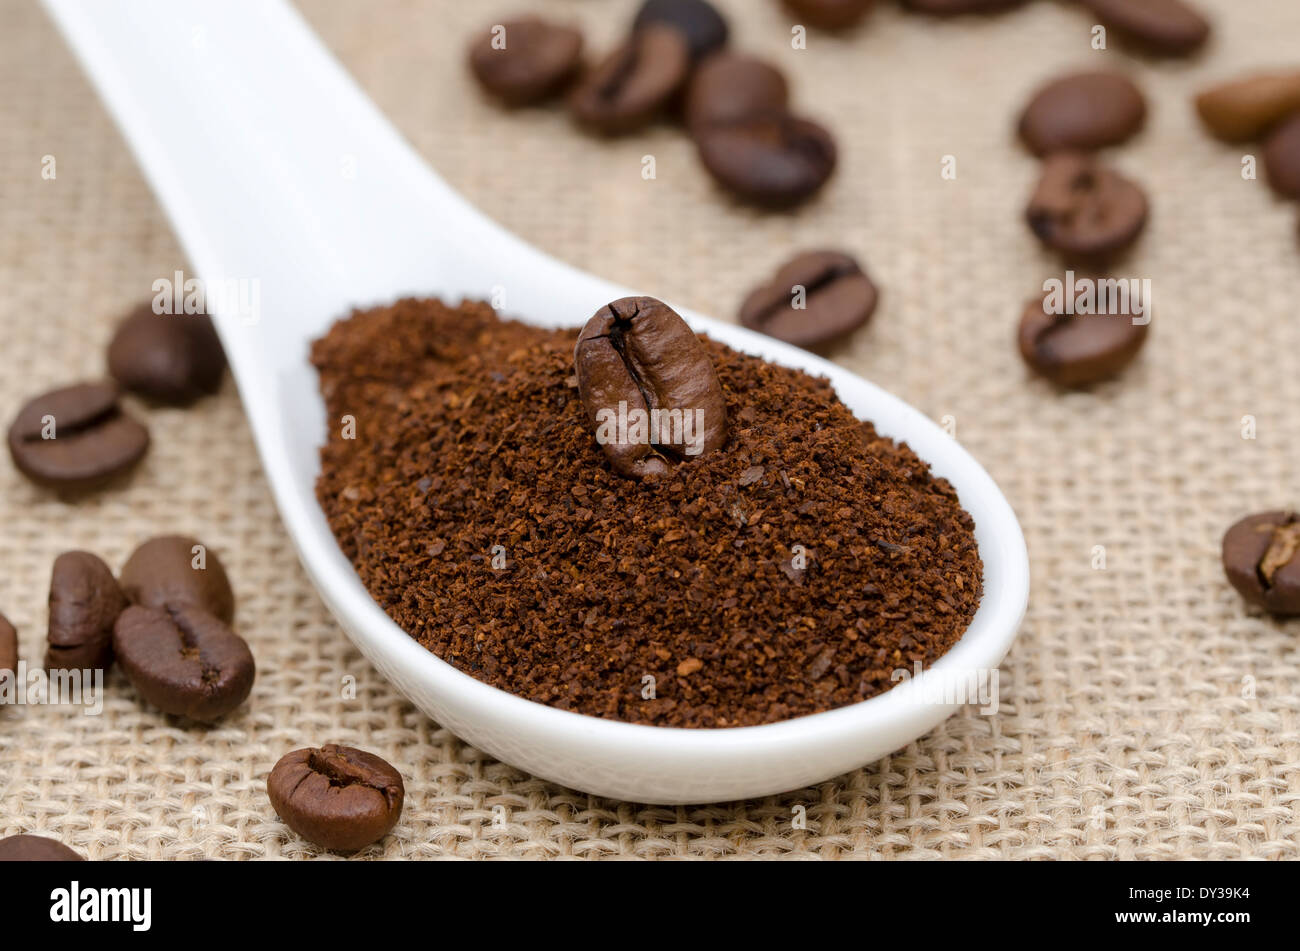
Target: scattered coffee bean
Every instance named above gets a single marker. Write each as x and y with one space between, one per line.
772 159
1282 158
1084 208
703 27
336 796
1261 556
85 601
1078 349
8 647
1082 111
35 848
167 571
638 353
527 60
1246 108
815 300
165 357
184 661
76 437
730 86
632 85
959 7
829 14
1169 27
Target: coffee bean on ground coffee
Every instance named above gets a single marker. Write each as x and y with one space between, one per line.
829 14
171 358
1077 349
76 437
526 60
1082 111
1246 108
1084 208
176 570
772 159
85 601
35 848
8 647
729 86
1168 27
1261 557
834 296
184 661
472 435
336 796
633 84
703 27
1282 158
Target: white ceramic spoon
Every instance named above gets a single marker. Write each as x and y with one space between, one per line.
272 165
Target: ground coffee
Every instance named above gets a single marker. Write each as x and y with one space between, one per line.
790 571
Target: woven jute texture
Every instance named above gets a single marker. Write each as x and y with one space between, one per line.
1145 713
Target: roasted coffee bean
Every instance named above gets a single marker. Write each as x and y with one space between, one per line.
184 661
959 7
1169 27
85 601
815 300
1084 208
703 27
176 570
637 358
772 159
632 85
35 848
526 61
336 796
76 438
1081 112
1261 556
1246 108
1078 349
730 86
165 357
1282 158
8 647
829 14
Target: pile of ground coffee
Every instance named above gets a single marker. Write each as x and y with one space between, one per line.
790 572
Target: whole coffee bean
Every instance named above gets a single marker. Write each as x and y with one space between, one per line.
1282 158
76 438
165 357
526 60
85 601
772 159
336 796
8 647
730 86
637 357
1078 349
1246 108
1261 556
703 27
1082 111
829 14
815 300
35 848
959 7
176 570
1169 27
1083 208
632 85
184 661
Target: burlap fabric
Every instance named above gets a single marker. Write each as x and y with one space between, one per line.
1144 712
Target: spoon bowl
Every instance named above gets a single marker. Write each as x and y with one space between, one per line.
280 178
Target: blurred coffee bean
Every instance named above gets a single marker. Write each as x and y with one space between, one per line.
1282 158
1169 27
338 797
632 85
167 571
165 357
85 601
1082 111
8 647
703 27
829 14
526 60
1084 208
729 86
773 159
814 301
1075 350
76 437
959 7
1261 557
1246 108
35 848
